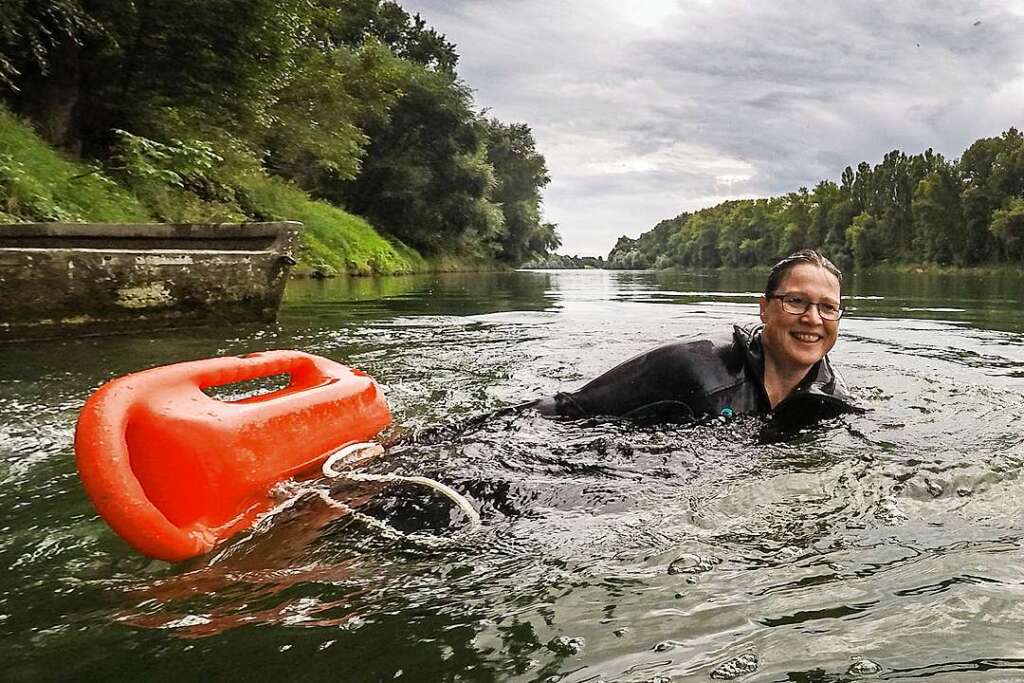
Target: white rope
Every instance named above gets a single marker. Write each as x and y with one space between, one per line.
290 493
355 514
346 457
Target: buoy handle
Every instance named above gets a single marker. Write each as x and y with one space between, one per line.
304 369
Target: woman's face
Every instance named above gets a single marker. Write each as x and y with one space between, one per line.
796 342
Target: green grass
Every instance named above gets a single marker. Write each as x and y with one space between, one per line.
334 241
38 184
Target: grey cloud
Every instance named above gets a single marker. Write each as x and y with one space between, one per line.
640 122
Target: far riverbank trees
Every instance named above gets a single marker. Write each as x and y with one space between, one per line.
918 208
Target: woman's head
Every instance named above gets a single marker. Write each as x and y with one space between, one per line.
810 256
800 287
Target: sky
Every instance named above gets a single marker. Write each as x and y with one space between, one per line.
646 109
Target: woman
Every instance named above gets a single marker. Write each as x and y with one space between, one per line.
780 367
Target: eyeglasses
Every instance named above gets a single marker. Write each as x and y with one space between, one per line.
797 305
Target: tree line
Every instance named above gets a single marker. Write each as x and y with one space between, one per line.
356 102
918 208
565 262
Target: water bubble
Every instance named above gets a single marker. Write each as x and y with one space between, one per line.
889 511
692 564
864 667
734 668
564 645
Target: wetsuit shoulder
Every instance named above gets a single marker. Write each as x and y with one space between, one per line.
662 382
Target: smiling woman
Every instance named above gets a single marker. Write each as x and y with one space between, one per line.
780 367
800 310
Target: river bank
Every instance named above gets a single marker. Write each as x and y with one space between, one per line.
990 270
39 184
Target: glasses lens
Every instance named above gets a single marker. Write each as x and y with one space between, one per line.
797 305
829 312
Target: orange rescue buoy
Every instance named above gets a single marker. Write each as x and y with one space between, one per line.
175 472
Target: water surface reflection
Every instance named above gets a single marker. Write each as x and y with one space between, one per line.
886 543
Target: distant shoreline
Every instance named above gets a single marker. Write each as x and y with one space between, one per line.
1003 270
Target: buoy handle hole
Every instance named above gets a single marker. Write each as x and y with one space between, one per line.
257 388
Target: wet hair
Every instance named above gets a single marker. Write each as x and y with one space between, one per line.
810 256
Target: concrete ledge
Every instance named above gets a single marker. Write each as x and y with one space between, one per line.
59 279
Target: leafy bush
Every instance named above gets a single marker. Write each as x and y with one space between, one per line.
178 179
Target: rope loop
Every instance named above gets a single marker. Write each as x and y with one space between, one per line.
357 454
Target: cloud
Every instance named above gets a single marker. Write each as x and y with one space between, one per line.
644 110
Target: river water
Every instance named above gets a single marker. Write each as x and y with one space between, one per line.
883 546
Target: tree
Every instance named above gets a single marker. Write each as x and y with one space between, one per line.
905 208
97 65
426 179
353 22
993 172
321 112
938 217
826 194
863 241
40 48
520 174
1008 228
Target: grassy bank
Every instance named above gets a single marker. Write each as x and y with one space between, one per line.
38 184
334 242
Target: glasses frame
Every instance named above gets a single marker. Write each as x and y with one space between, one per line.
817 306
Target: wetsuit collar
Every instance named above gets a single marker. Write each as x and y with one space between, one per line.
820 380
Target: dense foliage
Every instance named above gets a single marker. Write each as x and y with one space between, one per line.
906 209
39 184
565 262
355 102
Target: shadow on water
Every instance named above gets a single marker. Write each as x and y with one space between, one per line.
884 545
458 294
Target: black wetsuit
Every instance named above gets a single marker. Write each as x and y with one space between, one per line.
688 381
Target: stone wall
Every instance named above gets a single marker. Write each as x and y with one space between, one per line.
58 279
